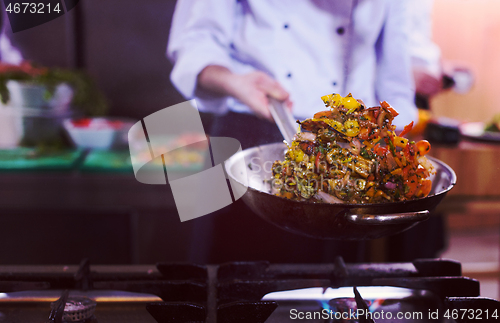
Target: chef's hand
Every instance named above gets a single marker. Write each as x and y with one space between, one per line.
426 84
252 89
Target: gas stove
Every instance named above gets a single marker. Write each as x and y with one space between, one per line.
250 292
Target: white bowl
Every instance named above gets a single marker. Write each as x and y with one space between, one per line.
99 133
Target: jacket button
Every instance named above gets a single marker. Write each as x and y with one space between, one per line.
340 30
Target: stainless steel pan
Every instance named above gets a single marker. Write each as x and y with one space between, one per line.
329 221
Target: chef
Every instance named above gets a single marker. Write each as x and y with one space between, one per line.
231 55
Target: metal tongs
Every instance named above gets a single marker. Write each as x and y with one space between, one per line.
56 314
284 119
360 302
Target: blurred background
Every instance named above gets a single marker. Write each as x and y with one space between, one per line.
59 208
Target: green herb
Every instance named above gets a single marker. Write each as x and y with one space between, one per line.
391 146
86 96
365 153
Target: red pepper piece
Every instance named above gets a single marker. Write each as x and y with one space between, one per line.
406 129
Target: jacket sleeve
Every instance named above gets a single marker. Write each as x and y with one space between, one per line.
425 54
200 35
394 81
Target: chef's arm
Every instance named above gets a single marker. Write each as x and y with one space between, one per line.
201 35
252 89
199 48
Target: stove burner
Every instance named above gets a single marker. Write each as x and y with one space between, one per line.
75 309
233 292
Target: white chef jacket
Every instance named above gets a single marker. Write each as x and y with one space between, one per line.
311 47
425 54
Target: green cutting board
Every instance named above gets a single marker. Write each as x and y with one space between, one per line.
107 161
32 159
119 161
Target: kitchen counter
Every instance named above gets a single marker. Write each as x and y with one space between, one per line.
96 209
476 164
475 200
78 189
77 178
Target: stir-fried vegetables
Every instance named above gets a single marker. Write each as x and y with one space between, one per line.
351 153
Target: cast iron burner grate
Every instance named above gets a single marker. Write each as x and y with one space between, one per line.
233 292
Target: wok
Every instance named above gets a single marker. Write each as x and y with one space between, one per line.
252 168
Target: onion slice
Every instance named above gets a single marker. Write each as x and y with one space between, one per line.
355 146
391 162
390 185
327 197
305 136
426 164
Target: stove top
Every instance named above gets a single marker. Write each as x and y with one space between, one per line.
249 292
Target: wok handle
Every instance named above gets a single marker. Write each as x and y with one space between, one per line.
394 218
